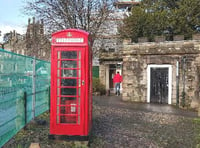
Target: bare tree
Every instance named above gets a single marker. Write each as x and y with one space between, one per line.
88 15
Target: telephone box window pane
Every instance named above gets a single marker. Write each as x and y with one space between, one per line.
58 64
68 91
62 119
57 119
68 109
78 115
69 73
58 82
68 100
79 53
68 82
58 73
79 101
58 99
68 64
79 82
58 54
79 91
67 119
69 55
58 91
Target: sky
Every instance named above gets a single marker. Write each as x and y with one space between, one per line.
12 17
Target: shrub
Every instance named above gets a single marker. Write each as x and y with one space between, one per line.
98 86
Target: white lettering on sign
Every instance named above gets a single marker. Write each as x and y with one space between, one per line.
69 40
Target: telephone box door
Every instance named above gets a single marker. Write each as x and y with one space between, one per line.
69 97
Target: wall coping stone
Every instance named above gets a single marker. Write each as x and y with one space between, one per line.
167 47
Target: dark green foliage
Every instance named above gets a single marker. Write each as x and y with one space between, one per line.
98 86
162 17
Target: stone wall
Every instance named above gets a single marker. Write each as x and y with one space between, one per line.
106 59
137 57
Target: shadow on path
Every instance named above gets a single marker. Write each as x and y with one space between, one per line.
116 101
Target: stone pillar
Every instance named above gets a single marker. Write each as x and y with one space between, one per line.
102 73
107 77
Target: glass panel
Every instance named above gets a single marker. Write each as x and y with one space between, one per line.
69 55
69 73
68 91
79 91
57 119
58 91
58 54
79 101
58 73
78 115
68 82
79 62
58 64
68 109
69 64
58 82
58 99
68 100
67 119
79 53
79 82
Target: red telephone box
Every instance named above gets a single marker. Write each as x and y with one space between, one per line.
71 83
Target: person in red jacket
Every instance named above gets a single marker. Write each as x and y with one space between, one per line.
117 80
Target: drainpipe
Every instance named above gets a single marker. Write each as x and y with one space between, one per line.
183 92
177 83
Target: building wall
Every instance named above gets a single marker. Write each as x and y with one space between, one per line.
137 57
33 43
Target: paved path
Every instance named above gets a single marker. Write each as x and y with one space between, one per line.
139 125
118 124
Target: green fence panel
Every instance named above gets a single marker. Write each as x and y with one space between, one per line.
42 86
16 78
95 71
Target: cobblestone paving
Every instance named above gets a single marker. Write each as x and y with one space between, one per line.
118 124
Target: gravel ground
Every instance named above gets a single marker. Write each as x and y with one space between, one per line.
118 124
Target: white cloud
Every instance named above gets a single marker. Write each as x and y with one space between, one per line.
7 28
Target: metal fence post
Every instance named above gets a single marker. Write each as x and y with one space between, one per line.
33 88
49 97
25 109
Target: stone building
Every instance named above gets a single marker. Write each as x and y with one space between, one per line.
109 44
33 43
158 72
37 43
15 43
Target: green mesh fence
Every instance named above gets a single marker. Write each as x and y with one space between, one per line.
23 95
